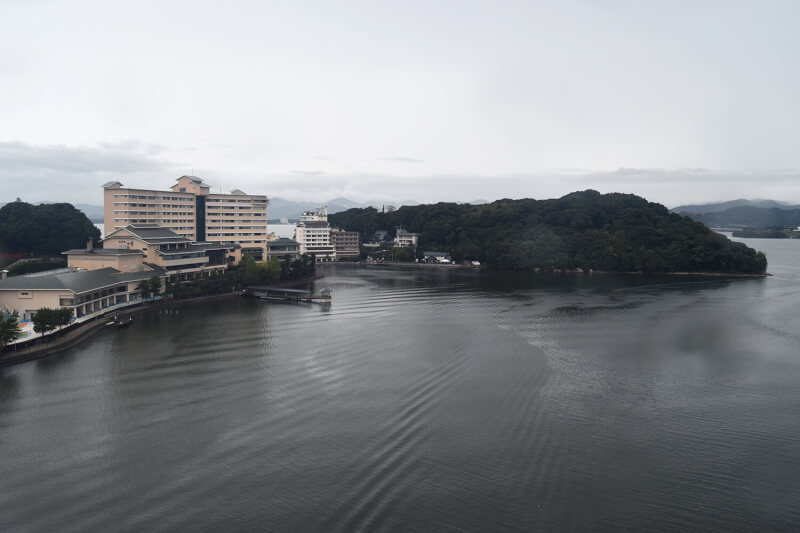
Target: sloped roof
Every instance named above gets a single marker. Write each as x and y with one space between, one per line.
77 282
215 246
103 251
195 179
283 241
152 234
313 223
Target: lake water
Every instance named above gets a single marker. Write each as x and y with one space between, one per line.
424 400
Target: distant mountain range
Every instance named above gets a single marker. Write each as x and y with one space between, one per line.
716 207
744 213
282 208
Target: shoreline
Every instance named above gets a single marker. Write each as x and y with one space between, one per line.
70 337
73 335
557 271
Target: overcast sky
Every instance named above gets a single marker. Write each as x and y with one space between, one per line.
678 101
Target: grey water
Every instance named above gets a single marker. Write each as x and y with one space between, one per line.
424 399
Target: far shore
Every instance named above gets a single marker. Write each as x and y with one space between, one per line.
553 271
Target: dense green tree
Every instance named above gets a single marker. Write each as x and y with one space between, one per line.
252 274
144 288
47 319
9 329
273 269
46 229
588 230
155 284
403 254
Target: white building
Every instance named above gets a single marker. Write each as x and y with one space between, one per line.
404 238
313 232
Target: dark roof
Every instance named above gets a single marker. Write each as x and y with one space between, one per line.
78 281
280 290
215 245
313 223
283 241
436 254
103 251
111 184
152 234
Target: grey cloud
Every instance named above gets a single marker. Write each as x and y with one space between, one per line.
26 158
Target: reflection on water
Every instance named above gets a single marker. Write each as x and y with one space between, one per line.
424 399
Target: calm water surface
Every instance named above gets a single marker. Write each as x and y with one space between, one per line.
424 400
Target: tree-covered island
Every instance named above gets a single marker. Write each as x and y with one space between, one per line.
587 230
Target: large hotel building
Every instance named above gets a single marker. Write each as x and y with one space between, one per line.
191 210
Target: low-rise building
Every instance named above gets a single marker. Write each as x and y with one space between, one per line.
284 248
180 257
83 291
345 243
90 258
405 238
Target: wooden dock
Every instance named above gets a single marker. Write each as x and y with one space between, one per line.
281 294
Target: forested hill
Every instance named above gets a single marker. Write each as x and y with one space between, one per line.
46 229
588 230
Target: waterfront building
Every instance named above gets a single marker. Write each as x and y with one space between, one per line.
404 238
179 257
284 248
345 243
83 291
98 279
313 232
193 211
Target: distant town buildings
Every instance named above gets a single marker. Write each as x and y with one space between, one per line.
313 232
345 243
316 236
404 238
192 211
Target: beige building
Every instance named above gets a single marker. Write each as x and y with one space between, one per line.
147 246
192 211
83 291
102 279
345 243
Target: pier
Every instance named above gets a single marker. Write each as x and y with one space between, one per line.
289 295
